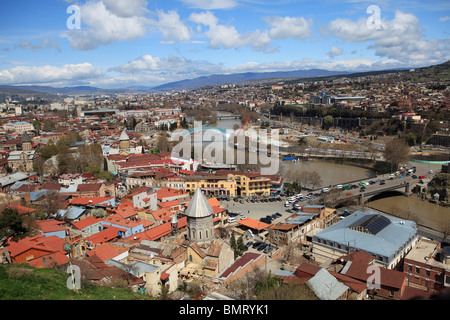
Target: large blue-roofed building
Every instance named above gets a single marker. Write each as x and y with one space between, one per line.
387 238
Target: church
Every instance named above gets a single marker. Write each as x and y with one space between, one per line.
199 215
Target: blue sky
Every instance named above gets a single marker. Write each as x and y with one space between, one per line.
123 43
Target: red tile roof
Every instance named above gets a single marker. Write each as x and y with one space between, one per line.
239 263
253 224
86 222
39 242
107 251
109 233
21 209
168 192
160 231
89 200
50 225
389 278
49 260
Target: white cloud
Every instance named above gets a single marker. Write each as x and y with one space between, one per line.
176 66
210 4
126 8
49 74
100 26
335 51
46 43
289 27
222 36
443 19
171 27
206 18
399 39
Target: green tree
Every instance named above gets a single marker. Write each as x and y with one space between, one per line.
327 122
12 225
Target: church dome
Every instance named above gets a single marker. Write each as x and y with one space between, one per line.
199 206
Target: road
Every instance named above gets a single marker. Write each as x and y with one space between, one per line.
261 209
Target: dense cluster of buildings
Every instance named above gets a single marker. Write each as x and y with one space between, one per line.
162 219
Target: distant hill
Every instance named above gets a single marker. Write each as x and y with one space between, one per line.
219 79
432 73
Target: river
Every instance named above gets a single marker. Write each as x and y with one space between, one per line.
423 212
330 173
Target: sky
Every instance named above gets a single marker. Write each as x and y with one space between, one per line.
128 43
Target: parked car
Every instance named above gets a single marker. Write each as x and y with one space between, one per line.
256 244
268 249
262 247
278 214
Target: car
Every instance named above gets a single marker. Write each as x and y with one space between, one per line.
414 176
290 210
241 201
268 249
339 186
231 220
278 214
325 190
262 247
256 244
287 204
382 183
274 216
248 244
371 182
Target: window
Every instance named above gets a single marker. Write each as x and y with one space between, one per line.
409 268
417 270
427 272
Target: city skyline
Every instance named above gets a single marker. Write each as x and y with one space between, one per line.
148 43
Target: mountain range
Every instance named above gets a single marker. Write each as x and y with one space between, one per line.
189 84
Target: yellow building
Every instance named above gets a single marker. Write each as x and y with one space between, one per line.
230 183
250 184
211 185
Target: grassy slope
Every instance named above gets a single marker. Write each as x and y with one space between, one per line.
21 282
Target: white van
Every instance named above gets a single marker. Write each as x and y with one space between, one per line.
299 195
286 204
231 219
325 190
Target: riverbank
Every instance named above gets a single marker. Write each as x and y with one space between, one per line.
422 212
